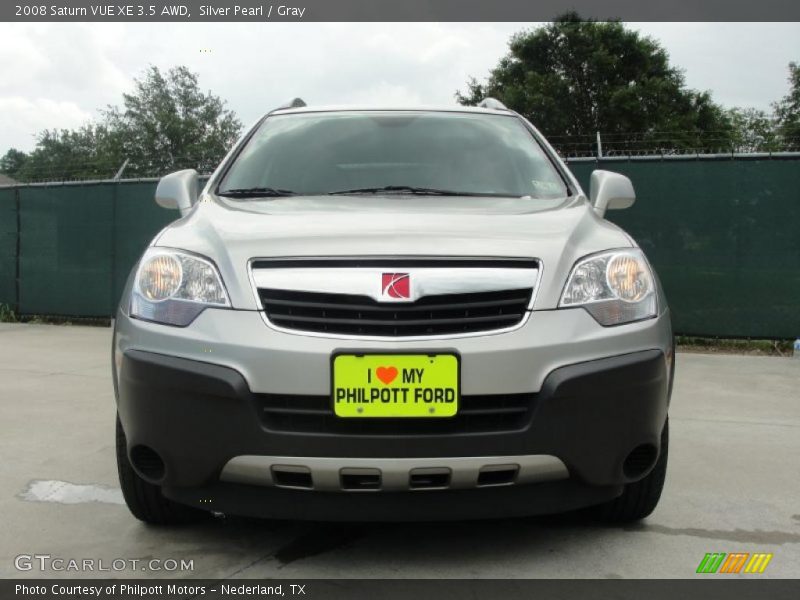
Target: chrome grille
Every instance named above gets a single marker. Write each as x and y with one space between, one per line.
440 297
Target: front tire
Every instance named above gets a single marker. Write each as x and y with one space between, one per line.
144 499
640 498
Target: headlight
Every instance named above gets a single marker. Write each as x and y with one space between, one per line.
615 287
173 287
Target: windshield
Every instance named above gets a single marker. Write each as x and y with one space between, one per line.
393 152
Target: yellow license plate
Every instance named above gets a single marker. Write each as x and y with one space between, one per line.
395 385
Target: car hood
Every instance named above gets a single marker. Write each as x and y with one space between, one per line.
231 232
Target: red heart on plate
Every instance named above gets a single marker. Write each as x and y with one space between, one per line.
386 374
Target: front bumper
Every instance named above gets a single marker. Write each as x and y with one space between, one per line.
200 417
275 362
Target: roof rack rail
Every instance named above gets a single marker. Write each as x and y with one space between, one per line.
492 103
293 103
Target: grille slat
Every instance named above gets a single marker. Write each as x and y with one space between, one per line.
384 323
476 414
397 307
296 411
361 315
493 411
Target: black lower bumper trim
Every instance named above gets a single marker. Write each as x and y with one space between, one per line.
488 503
197 416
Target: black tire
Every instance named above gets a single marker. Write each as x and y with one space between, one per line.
144 499
639 499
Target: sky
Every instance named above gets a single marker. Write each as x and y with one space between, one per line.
57 75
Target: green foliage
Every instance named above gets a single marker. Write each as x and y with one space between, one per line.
7 314
166 123
734 346
754 131
12 162
787 110
64 154
169 123
574 78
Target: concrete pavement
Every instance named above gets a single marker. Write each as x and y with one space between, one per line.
732 486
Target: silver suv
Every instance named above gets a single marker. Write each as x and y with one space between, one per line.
378 314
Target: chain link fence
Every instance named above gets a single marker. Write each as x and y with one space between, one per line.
595 146
114 170
654 143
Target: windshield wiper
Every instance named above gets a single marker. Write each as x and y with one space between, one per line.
406 189
256 192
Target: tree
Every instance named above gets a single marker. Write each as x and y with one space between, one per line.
63 154
575 78
754 130
12 162
166 123
787 110
169 123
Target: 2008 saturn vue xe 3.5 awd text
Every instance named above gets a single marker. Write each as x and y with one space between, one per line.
392 314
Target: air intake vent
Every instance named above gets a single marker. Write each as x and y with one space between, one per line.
477 414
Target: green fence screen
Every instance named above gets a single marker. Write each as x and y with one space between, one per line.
8 246
77 244
724 236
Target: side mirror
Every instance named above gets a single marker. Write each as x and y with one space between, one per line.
178 190
609 190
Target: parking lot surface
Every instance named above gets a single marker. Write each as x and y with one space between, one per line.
732 486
